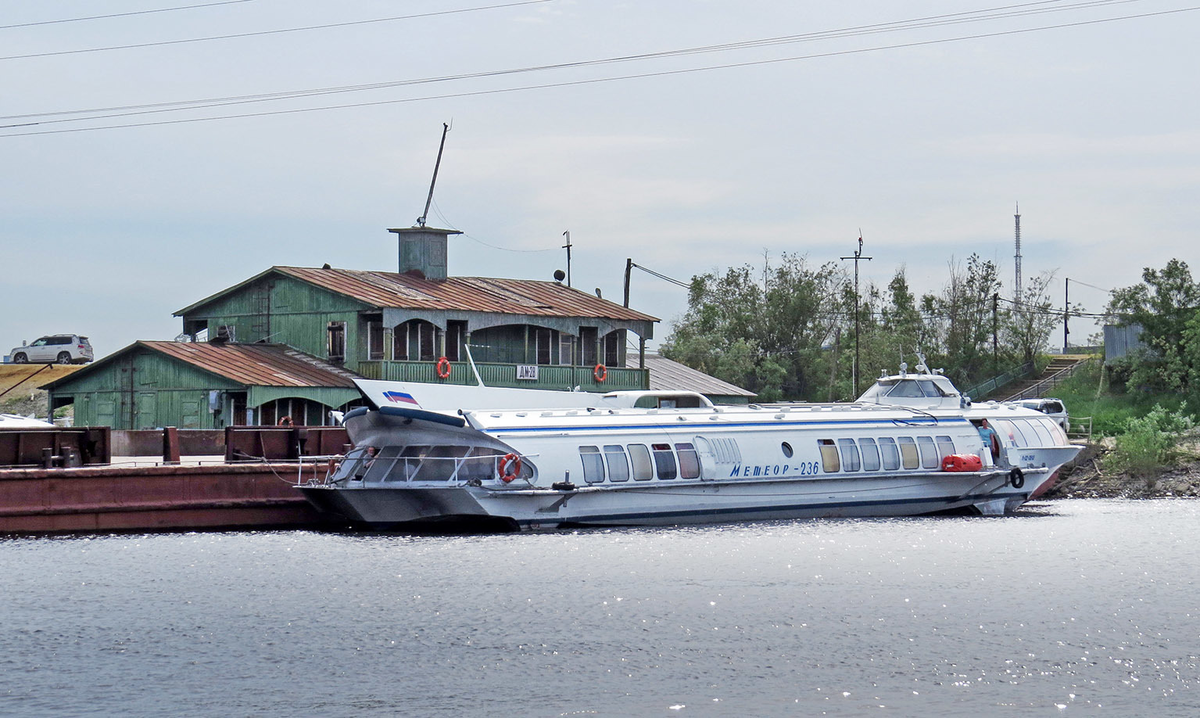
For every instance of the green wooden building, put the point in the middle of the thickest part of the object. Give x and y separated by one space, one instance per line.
400 325
289 341
150 384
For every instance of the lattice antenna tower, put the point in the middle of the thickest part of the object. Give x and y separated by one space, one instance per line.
1017 258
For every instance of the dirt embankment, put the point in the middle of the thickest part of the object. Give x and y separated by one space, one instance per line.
1086 478
19 383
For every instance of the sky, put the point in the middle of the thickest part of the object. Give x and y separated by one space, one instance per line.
919 124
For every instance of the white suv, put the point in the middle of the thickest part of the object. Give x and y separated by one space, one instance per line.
60 348
1054 408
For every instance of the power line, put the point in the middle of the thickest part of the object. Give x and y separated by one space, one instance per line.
569 83
129 110
122 14
663 277
260 33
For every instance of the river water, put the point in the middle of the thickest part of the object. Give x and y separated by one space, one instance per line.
1080 607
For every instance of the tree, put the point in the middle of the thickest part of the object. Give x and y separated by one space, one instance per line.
1028 323
1163 305
767 338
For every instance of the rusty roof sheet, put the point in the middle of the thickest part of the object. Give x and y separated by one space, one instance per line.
256 364
482 294
667 375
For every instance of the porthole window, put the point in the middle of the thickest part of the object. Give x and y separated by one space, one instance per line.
787 449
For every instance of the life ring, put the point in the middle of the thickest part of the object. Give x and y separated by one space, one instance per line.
443 368
600 372
1016 477
510 461
286 421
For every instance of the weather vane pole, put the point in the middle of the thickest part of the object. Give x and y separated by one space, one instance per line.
858 255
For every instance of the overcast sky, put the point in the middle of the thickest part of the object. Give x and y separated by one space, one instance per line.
793 146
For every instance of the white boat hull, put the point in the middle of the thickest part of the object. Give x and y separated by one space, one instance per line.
682 503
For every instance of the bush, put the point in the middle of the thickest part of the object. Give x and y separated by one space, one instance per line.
1149 444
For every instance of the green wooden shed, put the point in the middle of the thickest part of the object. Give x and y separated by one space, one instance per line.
152 384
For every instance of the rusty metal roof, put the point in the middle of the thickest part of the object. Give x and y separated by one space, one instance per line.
256 364
482 294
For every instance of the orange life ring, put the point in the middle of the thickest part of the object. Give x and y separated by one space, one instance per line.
443 368
600 372
510 461
285 421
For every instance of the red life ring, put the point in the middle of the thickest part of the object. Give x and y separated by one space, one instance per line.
510 461
285 421
600 372
443 368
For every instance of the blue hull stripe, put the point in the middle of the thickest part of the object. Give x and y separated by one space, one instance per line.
715 426
772 509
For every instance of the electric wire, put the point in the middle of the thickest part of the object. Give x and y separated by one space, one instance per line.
122 14
127 110
279 31
619 78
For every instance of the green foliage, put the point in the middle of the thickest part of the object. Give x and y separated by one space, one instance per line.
1165 305
1149 443
1094 392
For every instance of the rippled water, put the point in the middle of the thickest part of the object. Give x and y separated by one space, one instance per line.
1068 608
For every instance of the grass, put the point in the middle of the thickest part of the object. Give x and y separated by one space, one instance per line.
1088 393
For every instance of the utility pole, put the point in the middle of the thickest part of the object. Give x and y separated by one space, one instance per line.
1066 312
567 247
858 255
628 269
995 332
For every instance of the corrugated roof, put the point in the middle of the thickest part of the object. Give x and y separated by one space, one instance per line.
482 294
667 375
256 364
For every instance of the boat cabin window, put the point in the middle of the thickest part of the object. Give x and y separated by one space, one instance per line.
930 388
352 466
664 460
639 456
1042 428
945 446
849 452
618 465
593 464
829 456
889 453
870 454
379 467
689 461
929 453
908 452
674 401
907 389
1018 433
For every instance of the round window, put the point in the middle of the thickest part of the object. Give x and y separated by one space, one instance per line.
787 449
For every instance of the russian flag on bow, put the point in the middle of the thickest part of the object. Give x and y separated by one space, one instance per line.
399 397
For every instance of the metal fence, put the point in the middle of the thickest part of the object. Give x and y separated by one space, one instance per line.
1008 377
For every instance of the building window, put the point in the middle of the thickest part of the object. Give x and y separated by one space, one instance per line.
612 348
374 340
427 341
566 349
546 346
400 342
456 336
337 341
587 345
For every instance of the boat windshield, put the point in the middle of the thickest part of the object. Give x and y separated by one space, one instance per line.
421 463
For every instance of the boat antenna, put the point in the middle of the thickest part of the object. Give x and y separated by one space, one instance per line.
429 199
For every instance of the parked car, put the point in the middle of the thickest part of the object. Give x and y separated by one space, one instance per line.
1054 408
58 348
